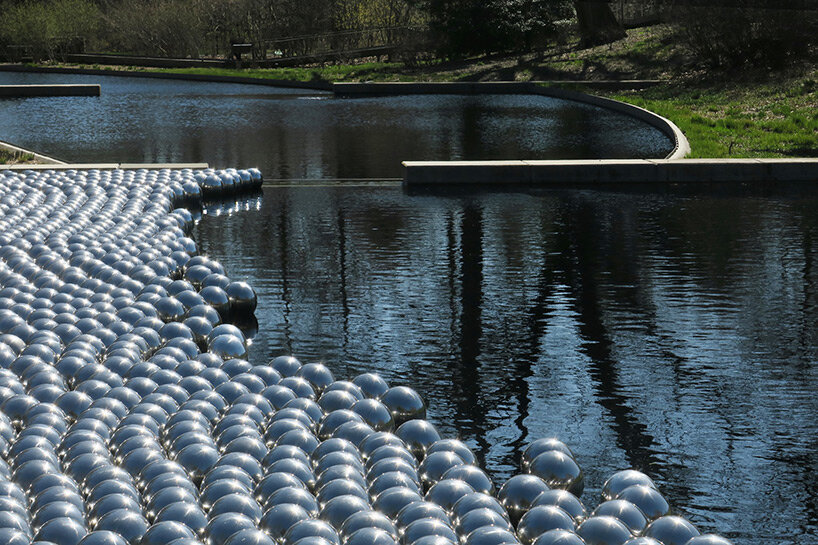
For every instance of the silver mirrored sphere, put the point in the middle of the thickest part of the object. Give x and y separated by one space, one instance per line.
671 530
604 530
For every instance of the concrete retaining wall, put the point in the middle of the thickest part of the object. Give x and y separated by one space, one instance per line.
318 85
618 171
108 166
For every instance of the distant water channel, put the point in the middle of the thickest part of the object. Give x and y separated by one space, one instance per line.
295 134
671 333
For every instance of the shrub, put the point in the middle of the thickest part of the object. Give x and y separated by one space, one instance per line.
49 28
734 36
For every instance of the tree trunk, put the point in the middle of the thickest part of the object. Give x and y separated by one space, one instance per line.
597 23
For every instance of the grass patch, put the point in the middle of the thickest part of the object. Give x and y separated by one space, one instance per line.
15 157
370 71
741 120
339 72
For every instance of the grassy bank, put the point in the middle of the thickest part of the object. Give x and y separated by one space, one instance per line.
740 119
742 114
15 158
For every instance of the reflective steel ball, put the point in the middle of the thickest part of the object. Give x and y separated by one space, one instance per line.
404 403
647 499
604 531
625 511
519 493
539 520
671 530
559 537
558 470
621 480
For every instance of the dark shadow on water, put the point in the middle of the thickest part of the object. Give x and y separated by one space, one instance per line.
726 189
465 249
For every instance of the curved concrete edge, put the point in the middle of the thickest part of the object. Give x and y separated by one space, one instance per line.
318 85
107 166
681 147
42 160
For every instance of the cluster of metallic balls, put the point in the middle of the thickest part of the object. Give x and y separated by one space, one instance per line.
544 506
130 415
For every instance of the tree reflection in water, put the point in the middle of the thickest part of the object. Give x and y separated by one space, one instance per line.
669 332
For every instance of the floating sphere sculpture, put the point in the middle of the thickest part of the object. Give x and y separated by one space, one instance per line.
558 470
371 536
473 476
391 501
434 540
404 403
311 528
102 537
12 536
604 530
643 541
371 384
625 511
647 499
61 530
417 435
242 299
222 527
436 464
280 518
287 366
249 536
420 510
130 414
317 374
559 537
338 509
621 480
491 535
540 446
428 527
375 414
564 499
476 500
539 520
367 519
478 518
447 492
671 530
453 445
518 494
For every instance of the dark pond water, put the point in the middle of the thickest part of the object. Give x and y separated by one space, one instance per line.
667 332
671 333
290 135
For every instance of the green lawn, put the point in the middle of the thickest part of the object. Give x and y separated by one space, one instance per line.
375 71
772 119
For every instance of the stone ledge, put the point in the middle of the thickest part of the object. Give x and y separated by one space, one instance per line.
610 171
109 166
